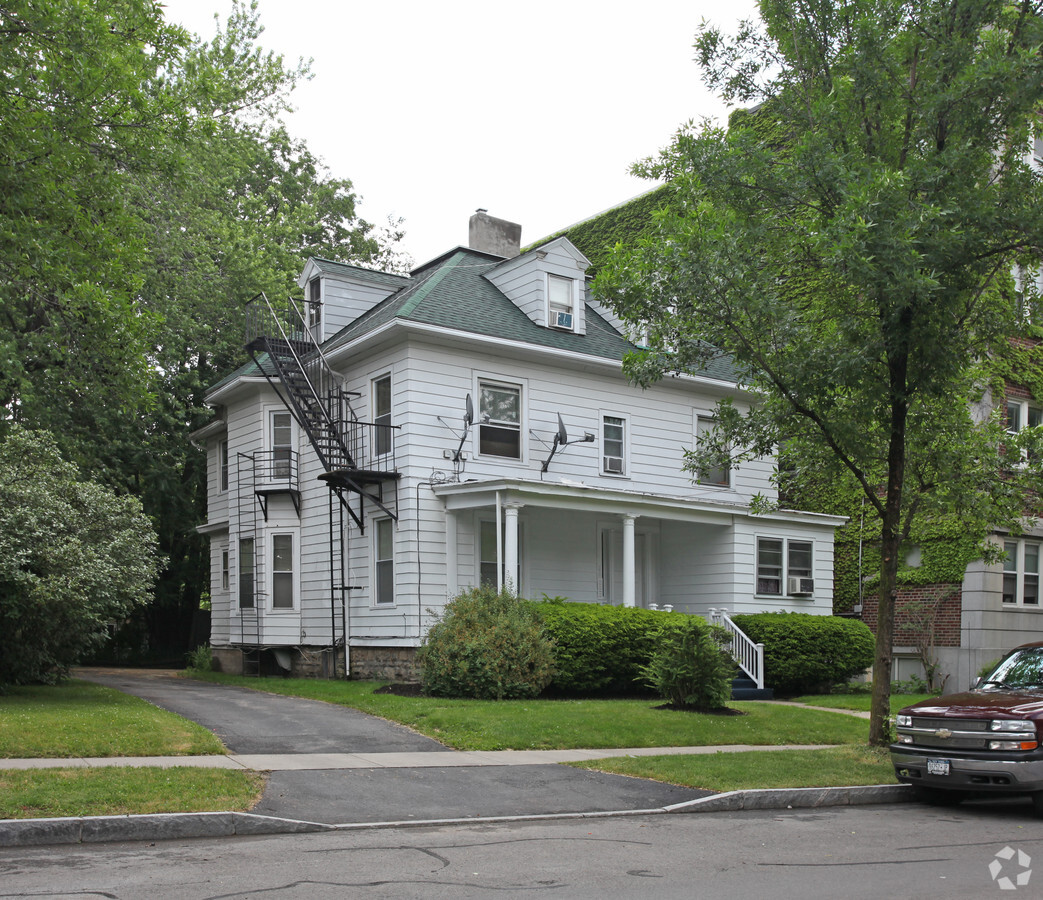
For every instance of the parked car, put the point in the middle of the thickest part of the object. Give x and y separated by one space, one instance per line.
988 740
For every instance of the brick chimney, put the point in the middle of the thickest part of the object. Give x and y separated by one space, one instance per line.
492 235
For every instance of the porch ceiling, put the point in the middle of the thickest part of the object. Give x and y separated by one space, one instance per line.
581 497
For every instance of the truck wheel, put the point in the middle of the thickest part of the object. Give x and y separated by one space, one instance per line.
1037 802
938 796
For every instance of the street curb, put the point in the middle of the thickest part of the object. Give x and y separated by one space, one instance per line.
173 826
154 827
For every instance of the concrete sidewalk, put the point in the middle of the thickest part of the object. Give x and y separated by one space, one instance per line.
332 767
288 762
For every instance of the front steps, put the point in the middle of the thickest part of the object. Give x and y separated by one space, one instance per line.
746 689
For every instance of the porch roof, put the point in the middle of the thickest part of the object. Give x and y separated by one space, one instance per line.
576 495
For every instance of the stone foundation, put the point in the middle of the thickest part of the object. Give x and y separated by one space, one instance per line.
368 663
385 663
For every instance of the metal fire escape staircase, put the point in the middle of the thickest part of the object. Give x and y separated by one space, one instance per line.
357 457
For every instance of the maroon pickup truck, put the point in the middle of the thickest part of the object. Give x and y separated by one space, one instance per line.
987 740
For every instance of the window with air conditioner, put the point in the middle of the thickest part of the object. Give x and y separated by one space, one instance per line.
561 302
613 445
785 567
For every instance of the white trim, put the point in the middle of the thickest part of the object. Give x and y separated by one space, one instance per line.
295 561
375 559
625 417
550 311
786 542
496 380
1019 572
578 496
580 360
709 485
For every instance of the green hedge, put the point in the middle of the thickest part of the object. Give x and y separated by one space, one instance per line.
602 649
803 652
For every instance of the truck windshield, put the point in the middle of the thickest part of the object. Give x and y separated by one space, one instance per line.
1022 669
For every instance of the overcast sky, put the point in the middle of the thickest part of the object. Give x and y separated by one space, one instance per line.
533 111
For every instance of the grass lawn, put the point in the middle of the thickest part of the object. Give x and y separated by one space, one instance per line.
859 701
833 767
566 724
82 719
110 791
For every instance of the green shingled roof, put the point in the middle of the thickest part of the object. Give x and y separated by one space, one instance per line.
452 292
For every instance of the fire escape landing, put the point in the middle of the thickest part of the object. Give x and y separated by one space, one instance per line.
358 458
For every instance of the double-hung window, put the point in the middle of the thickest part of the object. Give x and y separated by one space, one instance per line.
224 570
315 309
282 444
222 463
499 429
384 562
613 445
718 476
784 567
560 303
282 571
382 415
1021 573
246 573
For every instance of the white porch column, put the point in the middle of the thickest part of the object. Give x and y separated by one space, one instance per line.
629 591
452 555
510 546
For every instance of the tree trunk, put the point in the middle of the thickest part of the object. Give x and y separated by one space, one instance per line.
890 541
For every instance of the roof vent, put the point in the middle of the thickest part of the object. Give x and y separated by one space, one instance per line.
491 235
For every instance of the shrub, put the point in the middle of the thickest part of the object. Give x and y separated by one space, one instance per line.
691 669
804 652
601 649
74 555
487 645
200 660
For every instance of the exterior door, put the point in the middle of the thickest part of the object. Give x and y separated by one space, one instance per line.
611 580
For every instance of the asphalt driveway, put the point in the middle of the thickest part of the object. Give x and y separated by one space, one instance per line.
252 722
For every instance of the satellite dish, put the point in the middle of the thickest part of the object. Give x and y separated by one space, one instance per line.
468 412
562 436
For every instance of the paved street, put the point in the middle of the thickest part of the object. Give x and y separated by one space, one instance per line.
872 852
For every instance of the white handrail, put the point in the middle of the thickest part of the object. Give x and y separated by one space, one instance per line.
748 655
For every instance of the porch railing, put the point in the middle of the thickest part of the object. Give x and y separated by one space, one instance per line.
748 655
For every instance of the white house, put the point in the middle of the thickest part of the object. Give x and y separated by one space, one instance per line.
470 422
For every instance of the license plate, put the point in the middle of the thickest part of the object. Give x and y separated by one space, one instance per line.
937 767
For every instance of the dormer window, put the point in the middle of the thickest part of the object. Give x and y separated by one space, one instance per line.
314 311
561 302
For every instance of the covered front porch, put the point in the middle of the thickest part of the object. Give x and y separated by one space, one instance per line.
627 548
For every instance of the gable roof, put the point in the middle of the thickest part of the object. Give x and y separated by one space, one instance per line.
453 292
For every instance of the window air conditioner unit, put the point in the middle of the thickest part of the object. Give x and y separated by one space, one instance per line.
614 465
563 320
800 587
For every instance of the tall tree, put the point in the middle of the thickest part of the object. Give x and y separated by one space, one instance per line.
850 242
148 188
